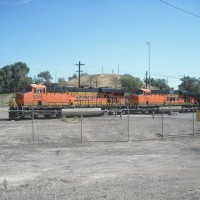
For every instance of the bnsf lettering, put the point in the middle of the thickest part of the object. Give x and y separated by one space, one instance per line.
37 97
85 98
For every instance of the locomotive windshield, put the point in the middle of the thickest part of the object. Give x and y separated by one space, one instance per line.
139 92
26 90
143 91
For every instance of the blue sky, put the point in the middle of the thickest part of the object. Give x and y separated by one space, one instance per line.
55 35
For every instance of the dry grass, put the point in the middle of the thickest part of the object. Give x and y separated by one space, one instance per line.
4 99
99 80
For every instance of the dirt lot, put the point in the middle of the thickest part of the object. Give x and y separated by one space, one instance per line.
112 161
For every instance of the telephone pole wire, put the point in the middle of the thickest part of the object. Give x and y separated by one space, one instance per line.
79 73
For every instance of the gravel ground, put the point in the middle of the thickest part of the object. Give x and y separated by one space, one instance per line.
112 161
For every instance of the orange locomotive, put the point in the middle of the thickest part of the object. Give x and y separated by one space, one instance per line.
51 99
145 98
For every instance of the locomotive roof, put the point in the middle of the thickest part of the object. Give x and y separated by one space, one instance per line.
61 88
189 93
37 86
75 89
109 90
69 89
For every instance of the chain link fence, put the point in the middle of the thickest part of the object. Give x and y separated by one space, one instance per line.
107 128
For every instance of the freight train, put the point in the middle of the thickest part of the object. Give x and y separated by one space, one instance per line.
49 100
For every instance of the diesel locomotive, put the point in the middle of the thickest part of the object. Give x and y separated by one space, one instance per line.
49 100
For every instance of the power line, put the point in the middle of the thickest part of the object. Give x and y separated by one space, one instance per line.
166 76
179 9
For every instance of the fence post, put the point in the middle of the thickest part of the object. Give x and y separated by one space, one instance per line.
81 127
162 123
33 134
128 122
193 122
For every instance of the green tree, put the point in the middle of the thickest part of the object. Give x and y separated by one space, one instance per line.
19 75
1 81
190 84
130 82
72 77
14 76
61 80
45 76
161 84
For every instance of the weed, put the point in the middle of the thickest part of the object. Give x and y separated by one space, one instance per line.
58 152
5 184
18 188
63 119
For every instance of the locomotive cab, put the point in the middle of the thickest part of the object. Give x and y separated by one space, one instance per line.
141 96
32 95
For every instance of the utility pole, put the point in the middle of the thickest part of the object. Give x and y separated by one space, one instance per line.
148 43
118 68
79 73
146 78
90 81
96 82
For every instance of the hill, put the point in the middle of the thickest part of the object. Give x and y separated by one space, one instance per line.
98 80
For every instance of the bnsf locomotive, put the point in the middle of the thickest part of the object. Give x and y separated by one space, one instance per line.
49 100
147 98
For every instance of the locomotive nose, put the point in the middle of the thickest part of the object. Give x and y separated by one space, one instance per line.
19 99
